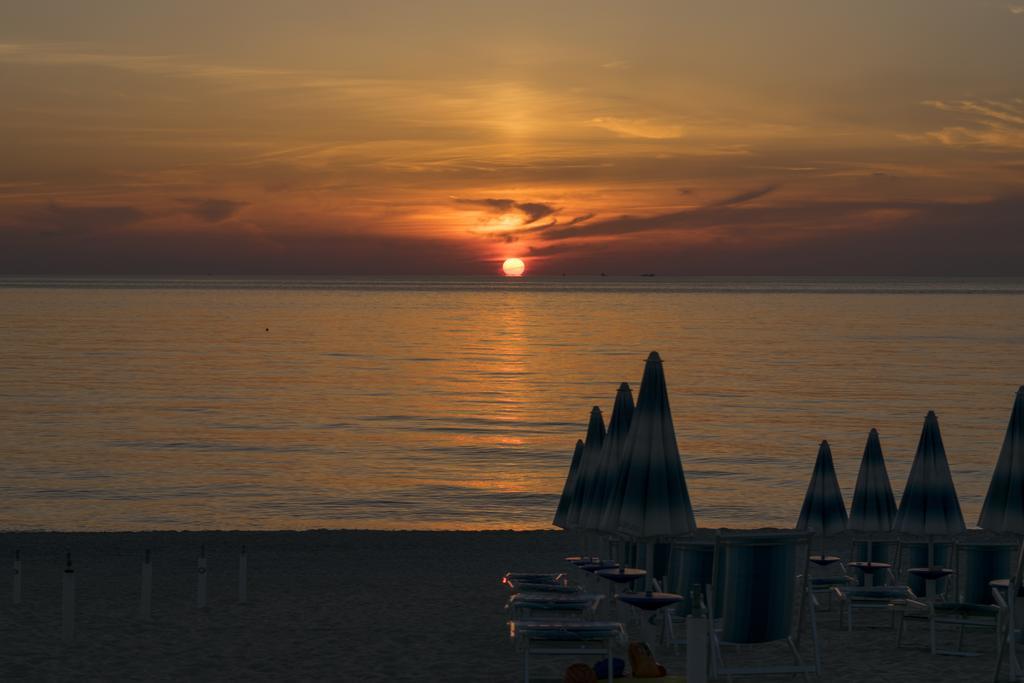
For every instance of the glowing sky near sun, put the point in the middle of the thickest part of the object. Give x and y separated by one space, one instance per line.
444 137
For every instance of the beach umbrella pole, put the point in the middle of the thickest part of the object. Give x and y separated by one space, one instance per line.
649 582
68 602
146 596
243 577
201 578
16 579
929 585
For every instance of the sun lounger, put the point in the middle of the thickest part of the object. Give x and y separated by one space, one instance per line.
554 577
540 637
823 585
890 598
962 614
517 586
974 607
564 604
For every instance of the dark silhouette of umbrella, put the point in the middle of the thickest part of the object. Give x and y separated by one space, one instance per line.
589 463
929 505
1003 509
562 511
823 511
652 498
609 461
874 507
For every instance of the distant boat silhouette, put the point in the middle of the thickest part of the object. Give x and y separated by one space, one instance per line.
604 274
646 274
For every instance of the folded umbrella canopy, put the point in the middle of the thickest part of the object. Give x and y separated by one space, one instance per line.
929 506
874 507
823 511
609 462
1003 509
562 511
652 500
589 463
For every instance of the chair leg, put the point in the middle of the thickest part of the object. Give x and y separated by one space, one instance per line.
716 651
931 634
817 648
796 656
999 654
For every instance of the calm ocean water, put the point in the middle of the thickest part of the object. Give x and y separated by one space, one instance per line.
456 403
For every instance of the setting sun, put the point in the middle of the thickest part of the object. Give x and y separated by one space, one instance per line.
513 267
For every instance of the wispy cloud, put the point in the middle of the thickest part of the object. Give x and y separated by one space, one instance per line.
211 210
638 128
531 211
744 197
986 123
1015 9
59 219
824 238
715 213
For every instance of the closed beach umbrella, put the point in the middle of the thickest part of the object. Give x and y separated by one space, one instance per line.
562 512
874 507
929 505
1003 510
823 511
589 462
654 501
610 460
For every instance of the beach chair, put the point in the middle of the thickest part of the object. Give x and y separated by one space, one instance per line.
1008 635
828 576
758 587
874 586
893 599
567 638
689 565
553 577
973 605
561 605
516 586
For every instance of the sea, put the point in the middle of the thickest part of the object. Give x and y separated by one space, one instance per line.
405 403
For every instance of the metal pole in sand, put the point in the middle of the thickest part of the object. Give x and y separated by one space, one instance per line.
201 578
696 639
243 578
68 602
16 579
146 598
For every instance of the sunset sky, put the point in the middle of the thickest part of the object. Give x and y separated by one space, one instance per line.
334 138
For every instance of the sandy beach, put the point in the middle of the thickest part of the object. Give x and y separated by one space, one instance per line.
335 605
